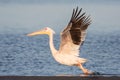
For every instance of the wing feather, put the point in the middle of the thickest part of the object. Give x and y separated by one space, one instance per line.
74 34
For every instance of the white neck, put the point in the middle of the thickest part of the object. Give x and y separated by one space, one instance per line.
52 48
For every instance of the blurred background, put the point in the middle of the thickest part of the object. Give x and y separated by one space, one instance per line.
20 16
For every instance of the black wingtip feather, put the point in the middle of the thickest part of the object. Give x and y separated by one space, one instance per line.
79 22
73 14
78 13
82 16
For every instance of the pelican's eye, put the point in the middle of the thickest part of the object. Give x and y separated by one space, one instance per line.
46 28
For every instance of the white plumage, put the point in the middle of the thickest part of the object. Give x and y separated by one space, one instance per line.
72 37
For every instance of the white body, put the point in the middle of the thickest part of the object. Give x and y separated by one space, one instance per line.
67 59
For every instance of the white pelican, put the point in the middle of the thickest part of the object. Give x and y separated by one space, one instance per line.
72 37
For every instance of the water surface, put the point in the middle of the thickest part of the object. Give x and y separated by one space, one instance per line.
22 55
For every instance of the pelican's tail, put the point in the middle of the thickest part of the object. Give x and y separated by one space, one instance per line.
82 60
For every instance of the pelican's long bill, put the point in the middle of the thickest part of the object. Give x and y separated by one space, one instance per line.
37 33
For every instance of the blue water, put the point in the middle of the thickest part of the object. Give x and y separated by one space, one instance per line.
22 55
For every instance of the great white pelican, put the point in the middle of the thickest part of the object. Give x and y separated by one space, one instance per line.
72 37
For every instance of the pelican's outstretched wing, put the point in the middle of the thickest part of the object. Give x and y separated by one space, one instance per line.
74 34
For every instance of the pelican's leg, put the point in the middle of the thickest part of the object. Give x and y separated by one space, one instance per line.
86 71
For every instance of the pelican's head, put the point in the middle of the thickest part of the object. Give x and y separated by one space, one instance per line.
45 30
